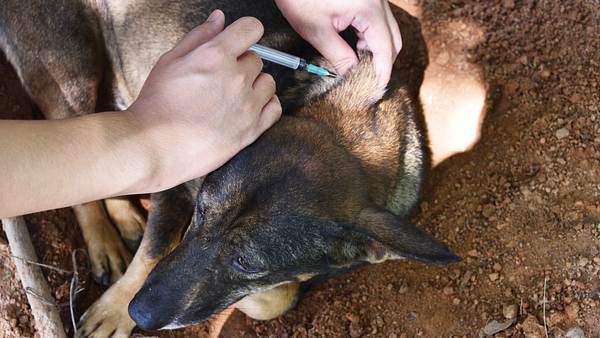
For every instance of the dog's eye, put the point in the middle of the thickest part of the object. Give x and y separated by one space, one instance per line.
242 264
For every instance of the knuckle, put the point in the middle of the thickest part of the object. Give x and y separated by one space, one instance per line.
258 63
268 81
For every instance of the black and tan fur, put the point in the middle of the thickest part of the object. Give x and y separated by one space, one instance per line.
328 188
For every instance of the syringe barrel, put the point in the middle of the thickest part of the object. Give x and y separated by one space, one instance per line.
276 56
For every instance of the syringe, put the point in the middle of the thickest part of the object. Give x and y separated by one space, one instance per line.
289 60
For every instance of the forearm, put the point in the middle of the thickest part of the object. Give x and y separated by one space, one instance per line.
52 164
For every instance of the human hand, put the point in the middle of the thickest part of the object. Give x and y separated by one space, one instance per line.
319 22
204 101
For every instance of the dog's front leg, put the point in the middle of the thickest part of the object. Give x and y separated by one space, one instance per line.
170 213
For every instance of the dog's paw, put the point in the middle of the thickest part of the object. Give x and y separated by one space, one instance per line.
128 219
108 316
109 257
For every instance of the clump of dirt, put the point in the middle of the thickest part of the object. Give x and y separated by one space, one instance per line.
522 208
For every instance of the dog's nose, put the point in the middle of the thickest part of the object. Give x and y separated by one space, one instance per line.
147 314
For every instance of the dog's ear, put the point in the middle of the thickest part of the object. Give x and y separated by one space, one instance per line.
379 235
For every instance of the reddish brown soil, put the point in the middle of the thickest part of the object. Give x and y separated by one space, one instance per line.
521 207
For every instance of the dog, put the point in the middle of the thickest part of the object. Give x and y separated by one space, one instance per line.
330 187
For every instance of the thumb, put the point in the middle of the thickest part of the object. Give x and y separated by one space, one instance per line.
201 34
331 45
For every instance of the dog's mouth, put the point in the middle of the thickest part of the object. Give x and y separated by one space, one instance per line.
177 311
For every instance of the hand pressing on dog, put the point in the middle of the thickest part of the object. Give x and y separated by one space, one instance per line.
319 22
204 101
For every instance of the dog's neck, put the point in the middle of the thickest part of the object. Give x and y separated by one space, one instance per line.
360 118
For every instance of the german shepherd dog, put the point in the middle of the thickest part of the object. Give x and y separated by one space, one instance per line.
328 188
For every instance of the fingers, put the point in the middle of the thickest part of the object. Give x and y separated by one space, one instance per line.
251 66
240 35
333 47
394 29
268 102
264 89
378 39
270 114
200 35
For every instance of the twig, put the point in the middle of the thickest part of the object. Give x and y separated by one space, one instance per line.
51 267
544 307
46 316
73 290
32 292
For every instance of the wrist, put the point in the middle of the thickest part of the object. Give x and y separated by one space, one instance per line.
146 152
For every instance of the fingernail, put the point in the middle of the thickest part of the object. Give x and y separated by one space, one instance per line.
213 16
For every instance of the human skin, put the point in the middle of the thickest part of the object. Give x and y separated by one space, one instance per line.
319 22
169 135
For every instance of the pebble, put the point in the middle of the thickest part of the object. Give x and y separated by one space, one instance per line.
497 267
509 4
562 133
575 332
532 328
473 253
443 58
494 276
23 319
448 290
583 261
572 310
510 311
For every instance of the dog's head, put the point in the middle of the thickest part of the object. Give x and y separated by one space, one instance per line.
293 205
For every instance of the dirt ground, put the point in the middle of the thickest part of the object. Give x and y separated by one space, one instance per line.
522 207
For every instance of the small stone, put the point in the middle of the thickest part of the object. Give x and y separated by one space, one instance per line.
597 260
562 133
353 318
23 319
575 332
448 290
511 87
583 261
545 74
532 328
497 267
494 327
389 287
555 318
473 253
355 331
510 311
572 310
575 98
443 58
494 276
456 301
509 4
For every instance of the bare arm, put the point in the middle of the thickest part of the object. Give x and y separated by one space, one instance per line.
205 100
49 164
